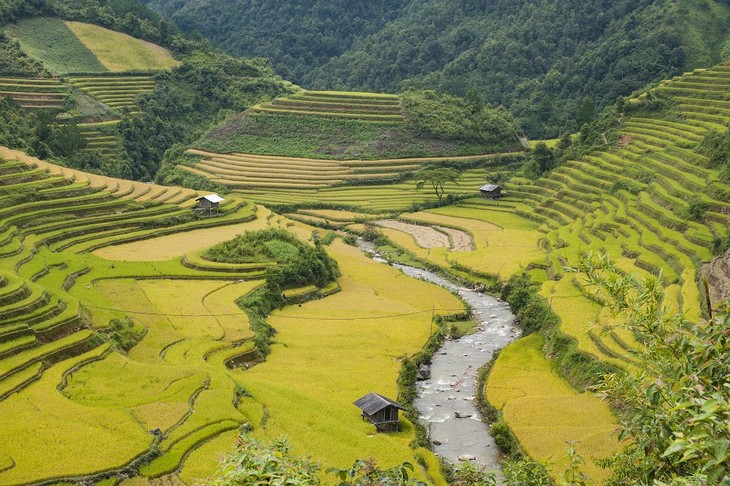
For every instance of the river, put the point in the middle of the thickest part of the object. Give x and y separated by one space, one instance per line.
450 391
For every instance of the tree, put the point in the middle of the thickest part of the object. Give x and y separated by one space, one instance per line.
437 178
676 402
544 157
587 112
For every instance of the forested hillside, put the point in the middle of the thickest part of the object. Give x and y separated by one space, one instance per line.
119 126
553 64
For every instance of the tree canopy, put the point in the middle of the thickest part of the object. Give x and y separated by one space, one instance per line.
436 178
553 64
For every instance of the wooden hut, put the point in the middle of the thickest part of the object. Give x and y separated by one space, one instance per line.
209 204
490 191
380 411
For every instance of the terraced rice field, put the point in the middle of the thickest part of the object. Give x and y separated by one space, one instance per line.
118 92
66 388
373 107
34 92
544 226
543 411
249 171
101 137
644 232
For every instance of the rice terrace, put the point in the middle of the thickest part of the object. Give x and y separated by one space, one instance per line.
204 266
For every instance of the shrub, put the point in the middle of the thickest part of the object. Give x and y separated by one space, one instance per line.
257 462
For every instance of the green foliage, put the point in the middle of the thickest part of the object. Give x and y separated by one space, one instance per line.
542 160
716 147
720 244
623 185
38 134
573 476
471 474
186 101
323 29
437 125
696 209
437 178
123 334
14 62
367 473
547 62
446 117
297 265
676 405
525 472
531 310
256 462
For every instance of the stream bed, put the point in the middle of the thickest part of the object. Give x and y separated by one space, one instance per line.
446 401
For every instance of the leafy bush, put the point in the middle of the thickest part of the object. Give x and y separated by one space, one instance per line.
696 209
297 265
123 334
256 462
676 406
367 473
621 185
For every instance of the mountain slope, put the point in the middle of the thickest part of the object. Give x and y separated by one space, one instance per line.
551 63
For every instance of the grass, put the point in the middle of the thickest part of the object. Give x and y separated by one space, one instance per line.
51 41
119 52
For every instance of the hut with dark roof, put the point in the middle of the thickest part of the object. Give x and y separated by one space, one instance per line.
490 191
380 411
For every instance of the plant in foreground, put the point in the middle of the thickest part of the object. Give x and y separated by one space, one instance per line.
676 401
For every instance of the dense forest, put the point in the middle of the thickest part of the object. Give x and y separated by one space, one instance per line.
553 64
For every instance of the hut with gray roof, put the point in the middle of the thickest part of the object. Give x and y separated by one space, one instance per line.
490 191
380 411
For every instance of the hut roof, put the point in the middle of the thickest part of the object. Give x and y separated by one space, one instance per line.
214 198
373 403
489 187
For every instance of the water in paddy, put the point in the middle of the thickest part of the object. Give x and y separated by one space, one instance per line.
446 402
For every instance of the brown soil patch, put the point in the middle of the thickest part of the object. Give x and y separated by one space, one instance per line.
425 236
460 240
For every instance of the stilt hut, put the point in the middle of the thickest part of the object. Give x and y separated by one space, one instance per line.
380 411
490 191
209 204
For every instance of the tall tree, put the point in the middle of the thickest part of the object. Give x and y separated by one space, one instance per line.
437 178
